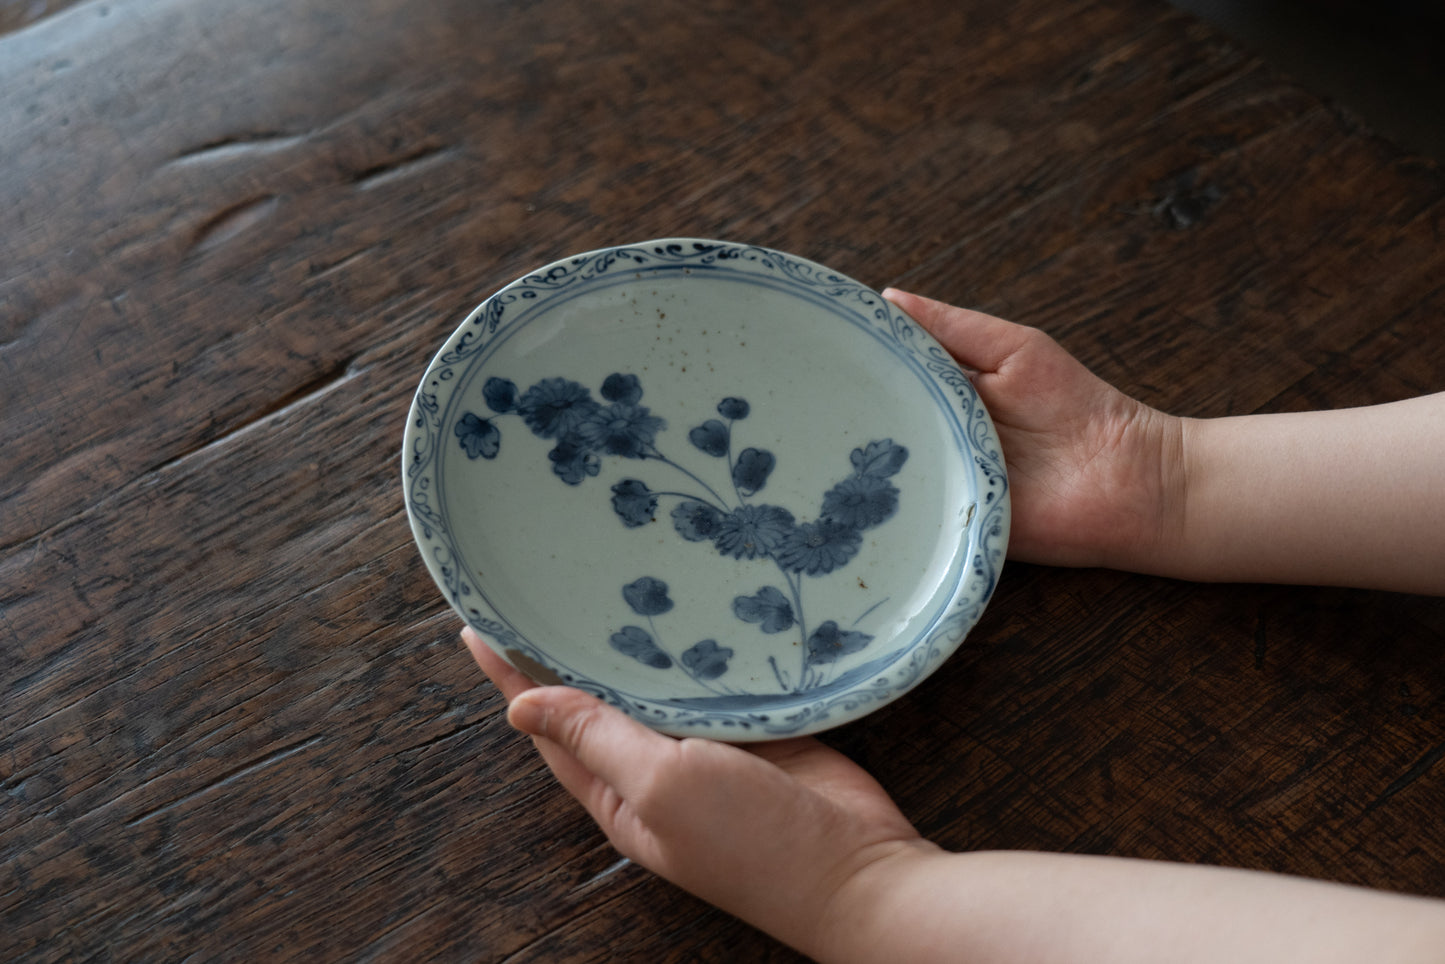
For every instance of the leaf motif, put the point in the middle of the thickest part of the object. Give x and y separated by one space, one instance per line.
501 394
647 596
478 436
706 659
768 606
636 642
573 460
696 521
711 437
828 643
733 408
618 387
751 472
634 503
879 460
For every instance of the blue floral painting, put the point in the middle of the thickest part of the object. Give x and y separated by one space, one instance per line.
696 662
585 430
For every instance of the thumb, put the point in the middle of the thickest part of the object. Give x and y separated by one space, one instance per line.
979 341
597 752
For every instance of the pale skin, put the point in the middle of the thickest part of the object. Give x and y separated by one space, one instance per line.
803 844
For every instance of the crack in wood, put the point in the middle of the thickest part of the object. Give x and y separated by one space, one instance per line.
567 923
323 384
380 944
405 166
205 631
316 272
1421 767
318 387
237 146
621 863
231 776
443 737
231 222
546 786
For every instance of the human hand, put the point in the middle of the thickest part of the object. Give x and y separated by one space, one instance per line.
1095 476
780 835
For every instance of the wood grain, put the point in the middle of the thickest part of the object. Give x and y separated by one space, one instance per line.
236 722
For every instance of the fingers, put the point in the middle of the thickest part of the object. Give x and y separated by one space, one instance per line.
508 679
594 739
977 340
591 747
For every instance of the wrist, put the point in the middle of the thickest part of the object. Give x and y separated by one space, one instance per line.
862 909
1178 449
1151 530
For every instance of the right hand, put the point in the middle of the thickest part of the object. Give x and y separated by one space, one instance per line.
791 835
1096 477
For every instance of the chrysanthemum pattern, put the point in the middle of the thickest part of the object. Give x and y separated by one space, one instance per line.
585 431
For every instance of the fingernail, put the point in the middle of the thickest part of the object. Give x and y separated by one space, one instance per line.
527 716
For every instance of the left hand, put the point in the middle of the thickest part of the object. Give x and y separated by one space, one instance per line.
1096 477
775 834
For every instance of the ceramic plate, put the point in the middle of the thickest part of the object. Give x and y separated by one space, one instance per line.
726 489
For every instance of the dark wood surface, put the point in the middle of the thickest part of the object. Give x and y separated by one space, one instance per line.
236 722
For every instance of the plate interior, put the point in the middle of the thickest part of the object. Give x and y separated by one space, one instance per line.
735 499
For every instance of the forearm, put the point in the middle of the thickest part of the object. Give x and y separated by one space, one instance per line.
996 908
1354 497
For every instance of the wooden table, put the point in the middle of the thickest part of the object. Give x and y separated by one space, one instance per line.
236 721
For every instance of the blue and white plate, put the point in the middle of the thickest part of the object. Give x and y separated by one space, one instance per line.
726 489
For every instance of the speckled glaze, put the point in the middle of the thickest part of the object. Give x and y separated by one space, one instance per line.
728 490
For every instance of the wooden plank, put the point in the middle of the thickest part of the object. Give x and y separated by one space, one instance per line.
281 206
236 720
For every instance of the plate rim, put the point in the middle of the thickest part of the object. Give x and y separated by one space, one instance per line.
986 537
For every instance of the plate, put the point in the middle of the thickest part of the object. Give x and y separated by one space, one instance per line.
724 488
